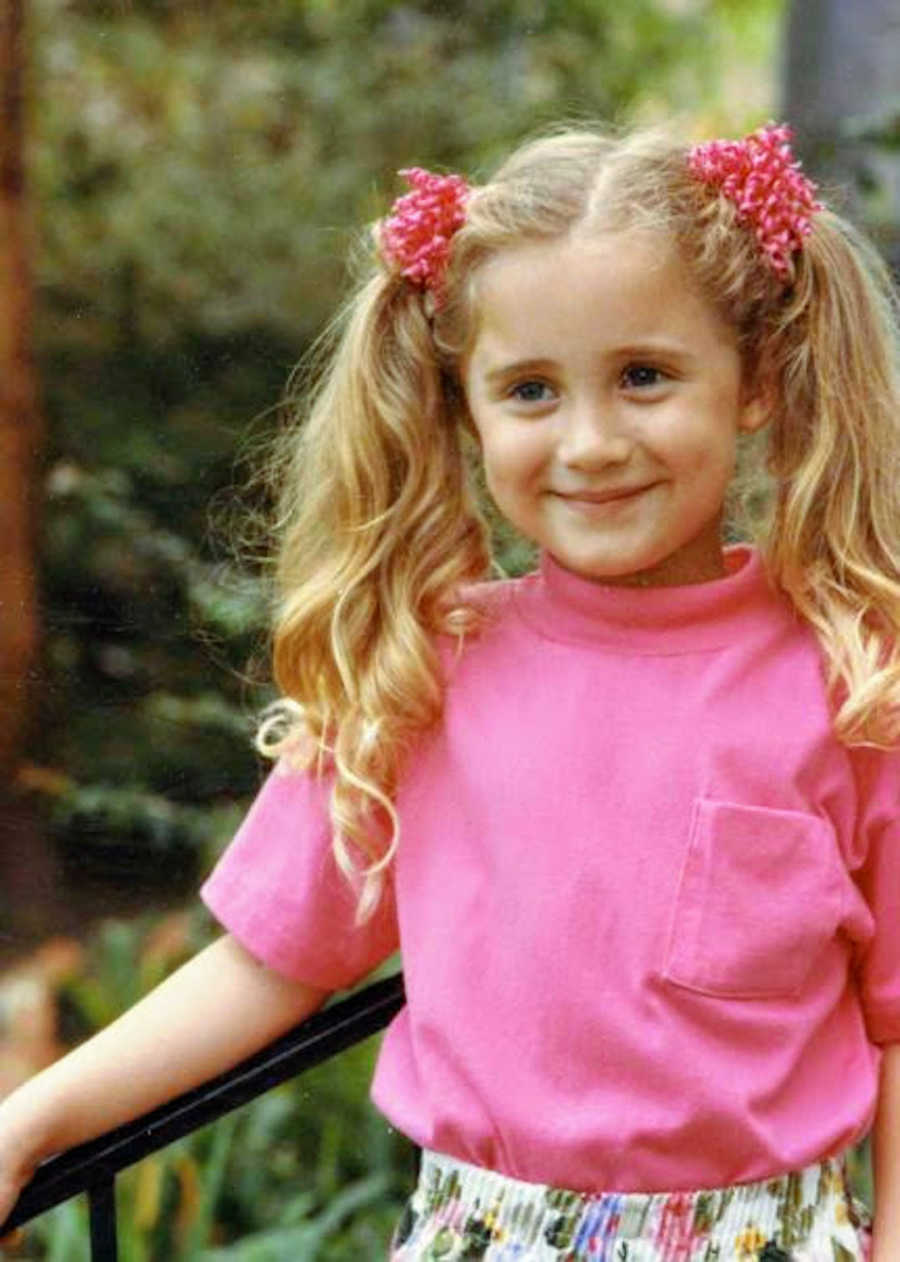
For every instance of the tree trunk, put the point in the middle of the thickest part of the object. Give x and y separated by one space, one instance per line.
19 424
842 66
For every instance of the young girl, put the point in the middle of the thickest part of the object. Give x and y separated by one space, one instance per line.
635 818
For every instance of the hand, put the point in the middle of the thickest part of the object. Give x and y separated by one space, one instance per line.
13 1179
17 1165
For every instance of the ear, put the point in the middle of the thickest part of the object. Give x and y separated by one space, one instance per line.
757 405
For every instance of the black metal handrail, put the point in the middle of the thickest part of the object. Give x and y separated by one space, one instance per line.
92 1167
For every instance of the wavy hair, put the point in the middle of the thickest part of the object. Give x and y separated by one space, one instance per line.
378 534
379 531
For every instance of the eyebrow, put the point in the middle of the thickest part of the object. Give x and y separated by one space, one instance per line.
514 367
665 350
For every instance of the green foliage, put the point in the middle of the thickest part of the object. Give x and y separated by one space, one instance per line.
205 170
309 1170
236 1191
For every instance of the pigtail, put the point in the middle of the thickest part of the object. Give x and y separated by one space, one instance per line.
833 541
377 531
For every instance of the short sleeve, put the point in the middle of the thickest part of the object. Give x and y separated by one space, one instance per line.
277 889
878 879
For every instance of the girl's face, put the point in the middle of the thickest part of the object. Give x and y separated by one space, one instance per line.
608 398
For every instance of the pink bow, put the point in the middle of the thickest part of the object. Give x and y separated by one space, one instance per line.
772 195
415 236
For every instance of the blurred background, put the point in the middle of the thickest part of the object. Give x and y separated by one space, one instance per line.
180 184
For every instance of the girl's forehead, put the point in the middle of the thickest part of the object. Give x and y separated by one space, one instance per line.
638 248
615 274
629 283
610 266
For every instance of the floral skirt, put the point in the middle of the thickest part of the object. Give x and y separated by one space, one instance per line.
459 1211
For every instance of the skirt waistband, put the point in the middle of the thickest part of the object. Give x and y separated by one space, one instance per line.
463 1211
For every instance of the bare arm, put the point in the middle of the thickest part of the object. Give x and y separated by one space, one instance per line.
886 1160
215 1010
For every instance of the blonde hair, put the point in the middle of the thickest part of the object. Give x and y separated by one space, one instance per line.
380 533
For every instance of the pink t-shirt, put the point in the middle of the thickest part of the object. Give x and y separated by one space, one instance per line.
649 908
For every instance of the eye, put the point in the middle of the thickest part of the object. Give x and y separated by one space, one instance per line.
531 392
642 377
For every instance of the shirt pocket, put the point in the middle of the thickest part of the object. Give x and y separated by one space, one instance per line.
758 900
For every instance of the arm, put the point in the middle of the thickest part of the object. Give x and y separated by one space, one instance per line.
218 1008
886 1159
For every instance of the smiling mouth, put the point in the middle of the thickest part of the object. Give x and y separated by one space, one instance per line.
600 498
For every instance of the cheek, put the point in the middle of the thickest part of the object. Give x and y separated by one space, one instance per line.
510 465
496 472
707 449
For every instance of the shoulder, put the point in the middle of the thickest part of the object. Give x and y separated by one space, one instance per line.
488 611
492 604
495 597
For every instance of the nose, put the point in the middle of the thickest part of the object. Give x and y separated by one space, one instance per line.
592 435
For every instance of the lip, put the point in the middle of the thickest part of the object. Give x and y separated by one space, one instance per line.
611 496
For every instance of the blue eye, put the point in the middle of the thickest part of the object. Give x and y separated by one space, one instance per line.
641 377
530 392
